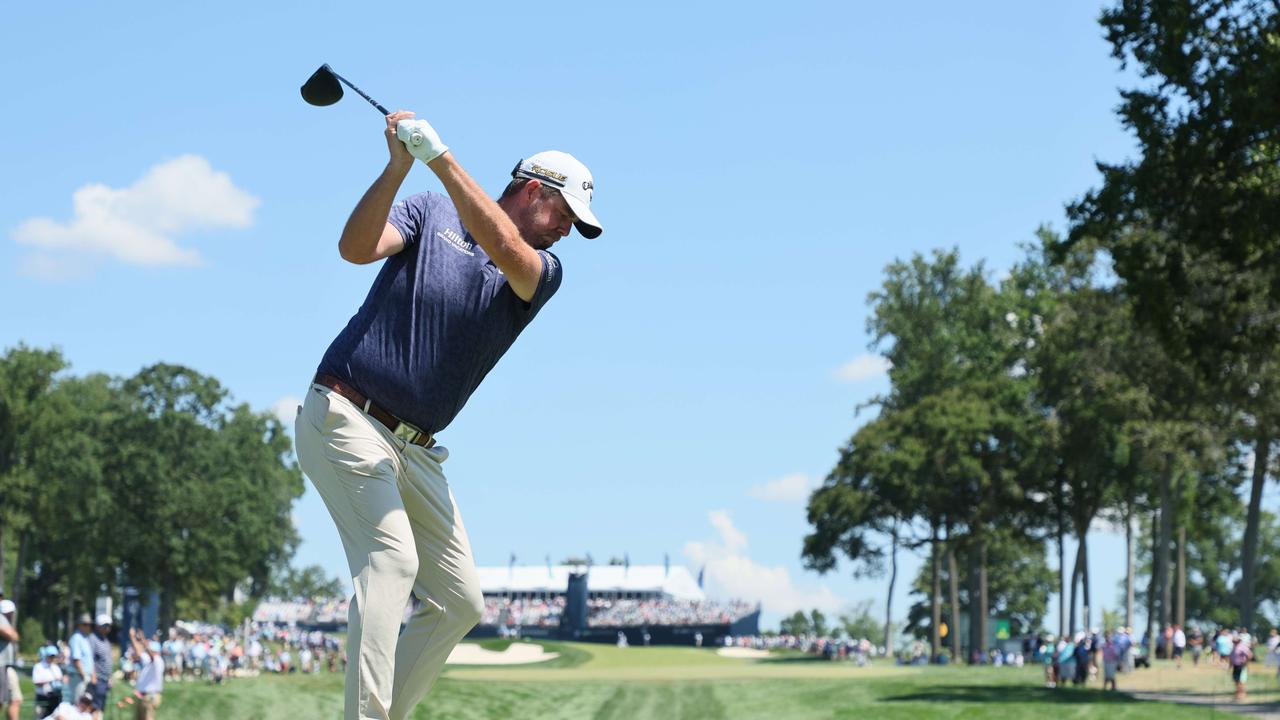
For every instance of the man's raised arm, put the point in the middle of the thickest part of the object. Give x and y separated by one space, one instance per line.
480 214
367 236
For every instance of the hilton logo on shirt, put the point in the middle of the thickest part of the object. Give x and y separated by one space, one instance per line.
456 241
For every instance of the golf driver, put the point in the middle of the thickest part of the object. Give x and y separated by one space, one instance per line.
323 88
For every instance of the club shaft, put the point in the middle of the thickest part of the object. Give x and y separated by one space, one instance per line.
362 94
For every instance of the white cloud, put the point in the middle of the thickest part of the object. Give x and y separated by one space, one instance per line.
863 367
286 408
139 224
730 537
787 489
730 573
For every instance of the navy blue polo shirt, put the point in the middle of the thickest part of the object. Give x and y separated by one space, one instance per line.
438 317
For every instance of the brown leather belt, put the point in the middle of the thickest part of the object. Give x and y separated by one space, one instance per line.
398 427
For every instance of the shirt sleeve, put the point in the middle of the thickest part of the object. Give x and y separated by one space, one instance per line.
549 283
410 215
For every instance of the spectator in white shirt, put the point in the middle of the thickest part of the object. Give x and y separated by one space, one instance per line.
150 677
82 710
46 675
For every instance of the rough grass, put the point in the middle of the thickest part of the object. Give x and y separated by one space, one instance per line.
604 682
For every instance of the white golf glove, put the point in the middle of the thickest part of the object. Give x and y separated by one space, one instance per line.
422 140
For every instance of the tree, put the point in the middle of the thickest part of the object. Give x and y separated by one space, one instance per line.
953 445
796 624
858 622
26 376
1214 517
869 495
1082 349
72 548
817 622
157 481
206 488
308 582
1019 580
1193 225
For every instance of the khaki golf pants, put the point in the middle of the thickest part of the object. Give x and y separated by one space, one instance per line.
402 534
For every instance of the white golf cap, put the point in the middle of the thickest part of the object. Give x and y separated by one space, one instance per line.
7 606
104 619
563 172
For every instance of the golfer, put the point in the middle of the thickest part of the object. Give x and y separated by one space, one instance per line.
461 278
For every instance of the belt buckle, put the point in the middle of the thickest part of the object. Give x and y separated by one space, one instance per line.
408 433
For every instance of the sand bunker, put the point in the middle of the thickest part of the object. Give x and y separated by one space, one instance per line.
515 654
743 653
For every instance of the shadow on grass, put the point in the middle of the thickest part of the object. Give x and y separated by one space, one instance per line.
798 658
1010 694
1265 695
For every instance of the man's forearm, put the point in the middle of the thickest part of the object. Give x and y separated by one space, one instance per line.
489 225
364 227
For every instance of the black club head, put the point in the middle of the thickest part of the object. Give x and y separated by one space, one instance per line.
322 88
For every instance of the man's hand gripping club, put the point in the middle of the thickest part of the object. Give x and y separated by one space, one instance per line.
488 224
420 139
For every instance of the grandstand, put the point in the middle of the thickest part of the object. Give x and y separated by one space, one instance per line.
592 604
596 603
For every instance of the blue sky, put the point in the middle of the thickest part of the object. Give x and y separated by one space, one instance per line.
755 170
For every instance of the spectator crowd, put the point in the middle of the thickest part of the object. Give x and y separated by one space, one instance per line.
73 677
842 647
663 612
76 678
508 614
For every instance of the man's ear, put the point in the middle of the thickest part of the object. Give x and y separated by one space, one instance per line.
532 189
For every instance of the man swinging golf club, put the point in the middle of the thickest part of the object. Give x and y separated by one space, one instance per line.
462 276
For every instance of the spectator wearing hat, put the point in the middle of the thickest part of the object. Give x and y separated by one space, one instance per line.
10 691
1238 658
150 675
80 668
81 710
1049 658
101 645
1195 641
48 679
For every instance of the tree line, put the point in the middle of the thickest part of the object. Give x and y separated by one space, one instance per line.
160 480
1126 372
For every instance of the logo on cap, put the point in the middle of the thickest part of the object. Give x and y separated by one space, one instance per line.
548 172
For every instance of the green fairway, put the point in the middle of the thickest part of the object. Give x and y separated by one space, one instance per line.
601 681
